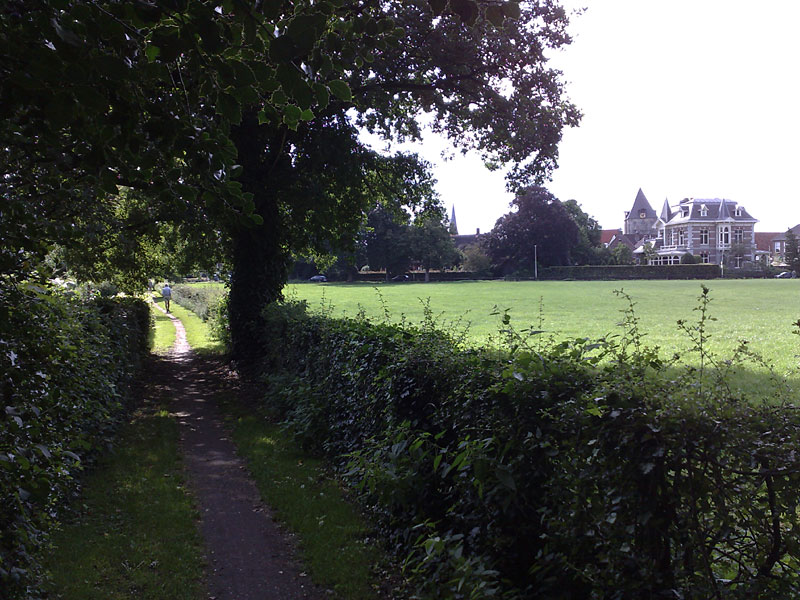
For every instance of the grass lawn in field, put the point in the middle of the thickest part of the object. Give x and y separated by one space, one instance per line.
759 311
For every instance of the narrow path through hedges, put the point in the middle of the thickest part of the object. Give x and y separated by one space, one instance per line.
249 557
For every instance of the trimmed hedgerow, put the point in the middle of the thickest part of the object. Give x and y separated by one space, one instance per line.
570 470
64 370
202 300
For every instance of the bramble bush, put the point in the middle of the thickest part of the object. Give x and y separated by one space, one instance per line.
580 469
65 367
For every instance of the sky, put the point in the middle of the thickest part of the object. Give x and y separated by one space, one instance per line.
687 98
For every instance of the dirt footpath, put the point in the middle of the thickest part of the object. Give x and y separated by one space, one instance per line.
249 557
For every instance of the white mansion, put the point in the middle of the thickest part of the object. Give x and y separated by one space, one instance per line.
716 230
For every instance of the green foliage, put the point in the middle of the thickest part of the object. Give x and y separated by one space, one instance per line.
202 300
556 469
687 258
65 370
541 229
476 260
622 255
143 138
589 250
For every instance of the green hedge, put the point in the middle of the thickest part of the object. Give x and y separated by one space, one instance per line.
595 272
65 367
575 470
201 299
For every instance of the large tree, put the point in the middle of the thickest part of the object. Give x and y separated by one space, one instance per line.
433 247
589 250
235 121
540 229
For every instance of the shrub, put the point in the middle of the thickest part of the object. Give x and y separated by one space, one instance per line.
65 368
570 470
202 300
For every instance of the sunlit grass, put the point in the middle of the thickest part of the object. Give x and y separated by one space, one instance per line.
198 333
760 311
162 334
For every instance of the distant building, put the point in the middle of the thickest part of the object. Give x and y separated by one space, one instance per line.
778 245
715 230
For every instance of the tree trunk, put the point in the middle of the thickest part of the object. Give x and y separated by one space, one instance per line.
260 258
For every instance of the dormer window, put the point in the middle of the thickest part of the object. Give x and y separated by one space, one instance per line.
642 214
684 211
738 211
704 211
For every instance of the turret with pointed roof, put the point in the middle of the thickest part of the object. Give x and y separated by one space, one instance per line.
641 219
724 212
666 211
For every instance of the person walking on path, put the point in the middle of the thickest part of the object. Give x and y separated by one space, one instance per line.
166 292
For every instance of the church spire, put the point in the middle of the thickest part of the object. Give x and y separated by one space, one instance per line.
453 225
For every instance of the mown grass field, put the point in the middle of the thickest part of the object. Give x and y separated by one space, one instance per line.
760 311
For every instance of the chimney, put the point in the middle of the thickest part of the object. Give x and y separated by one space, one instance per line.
478 231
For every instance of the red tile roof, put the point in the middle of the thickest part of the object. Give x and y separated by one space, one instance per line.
607 234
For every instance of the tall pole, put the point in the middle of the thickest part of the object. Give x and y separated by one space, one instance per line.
535 264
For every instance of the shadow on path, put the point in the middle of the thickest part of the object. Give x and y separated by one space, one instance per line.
249 557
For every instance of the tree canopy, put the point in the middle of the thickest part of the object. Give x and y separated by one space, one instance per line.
234 124
540 229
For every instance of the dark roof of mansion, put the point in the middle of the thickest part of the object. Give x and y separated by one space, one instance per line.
716 210
628 239
641 204
782 235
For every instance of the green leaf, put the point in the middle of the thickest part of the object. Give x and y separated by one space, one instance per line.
322 95
278 98
505 477
291 115
307 115
228 106
341 90
152 52
244 74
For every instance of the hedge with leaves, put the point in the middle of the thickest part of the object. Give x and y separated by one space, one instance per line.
569 470
202 300
65 367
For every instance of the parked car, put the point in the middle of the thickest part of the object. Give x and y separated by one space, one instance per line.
784 275
318 278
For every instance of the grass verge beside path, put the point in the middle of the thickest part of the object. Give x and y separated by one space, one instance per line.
134 536
333 535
